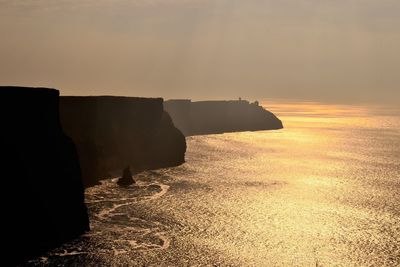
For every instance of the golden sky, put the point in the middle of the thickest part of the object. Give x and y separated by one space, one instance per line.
318 50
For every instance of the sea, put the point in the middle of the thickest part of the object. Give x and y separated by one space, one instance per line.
323 191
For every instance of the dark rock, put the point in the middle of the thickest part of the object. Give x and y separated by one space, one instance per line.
113 132
126 178
212 117
41 179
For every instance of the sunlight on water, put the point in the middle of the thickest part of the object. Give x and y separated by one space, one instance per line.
324 191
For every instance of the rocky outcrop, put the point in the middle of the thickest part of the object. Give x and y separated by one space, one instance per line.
40 174
126 179
212 117
114 132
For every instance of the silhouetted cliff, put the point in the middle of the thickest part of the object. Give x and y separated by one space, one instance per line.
210 117
40 174
114 132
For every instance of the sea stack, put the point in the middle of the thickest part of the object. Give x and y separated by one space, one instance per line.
126 179
41 175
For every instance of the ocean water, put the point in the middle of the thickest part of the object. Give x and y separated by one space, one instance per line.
323 191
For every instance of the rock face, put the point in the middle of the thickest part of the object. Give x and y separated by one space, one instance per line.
114 132
40 172
212 117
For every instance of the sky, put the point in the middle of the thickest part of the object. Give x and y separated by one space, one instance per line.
316 50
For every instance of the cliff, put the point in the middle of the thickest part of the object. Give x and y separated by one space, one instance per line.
43 196
114 132
212 117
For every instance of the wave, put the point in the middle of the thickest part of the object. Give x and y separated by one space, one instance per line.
115 228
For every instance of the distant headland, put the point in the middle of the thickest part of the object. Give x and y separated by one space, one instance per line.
213 117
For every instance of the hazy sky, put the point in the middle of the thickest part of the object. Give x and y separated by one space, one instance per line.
338 50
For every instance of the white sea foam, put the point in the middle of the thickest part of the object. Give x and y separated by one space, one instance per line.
114 228
69 253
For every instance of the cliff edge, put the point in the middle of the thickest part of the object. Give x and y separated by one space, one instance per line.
212 117
45 198
114 132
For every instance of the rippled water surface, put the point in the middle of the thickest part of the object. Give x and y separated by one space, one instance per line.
324 191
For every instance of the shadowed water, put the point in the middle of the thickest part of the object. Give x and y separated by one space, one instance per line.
324 191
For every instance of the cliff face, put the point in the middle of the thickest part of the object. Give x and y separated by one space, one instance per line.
113 132
211 117
41 172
